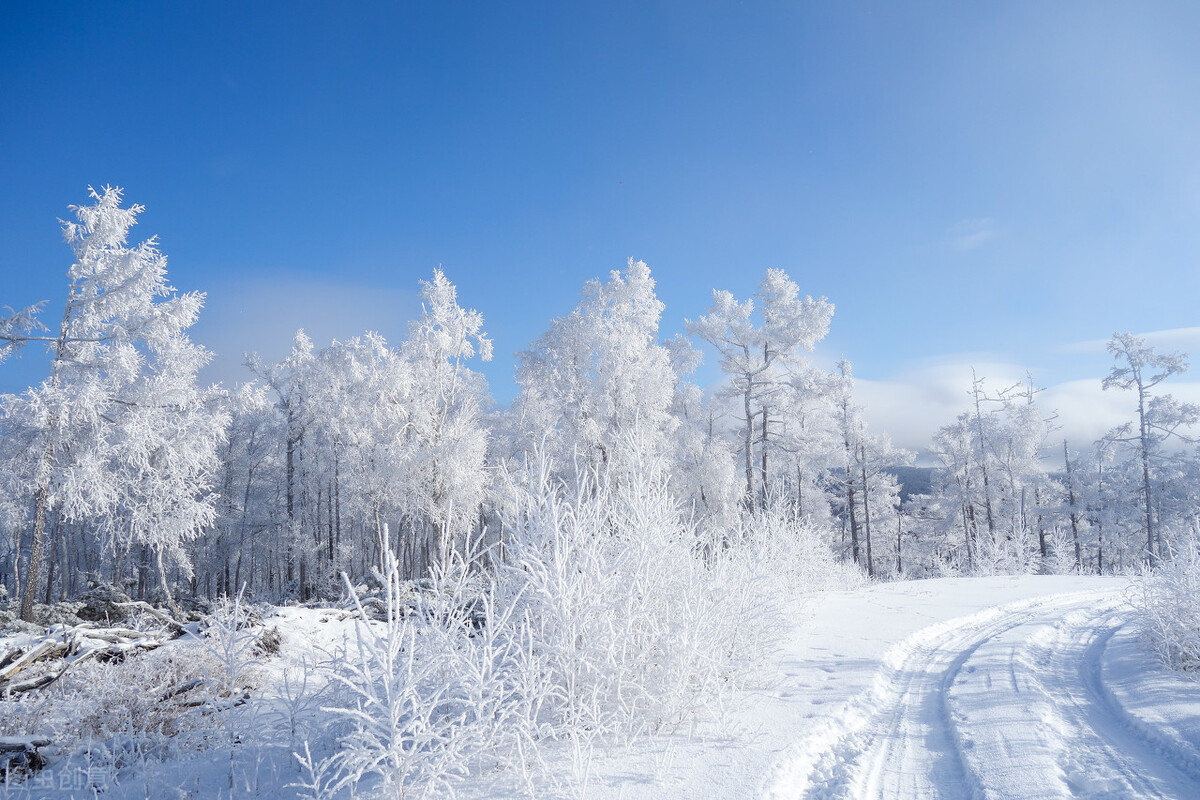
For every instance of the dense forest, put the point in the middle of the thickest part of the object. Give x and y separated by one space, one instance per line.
120 467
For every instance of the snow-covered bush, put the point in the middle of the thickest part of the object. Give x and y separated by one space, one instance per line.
421 692
603 614
630 620
621 618
782 556
1168 601
230 649
1061 558
1008 552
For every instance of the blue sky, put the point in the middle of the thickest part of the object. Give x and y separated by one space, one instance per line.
997 184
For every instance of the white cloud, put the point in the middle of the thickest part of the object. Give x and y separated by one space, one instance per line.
910 407
263 314
1186 340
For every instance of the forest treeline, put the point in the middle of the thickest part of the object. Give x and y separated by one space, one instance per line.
121 467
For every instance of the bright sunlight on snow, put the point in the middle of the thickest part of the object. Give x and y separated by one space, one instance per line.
609 401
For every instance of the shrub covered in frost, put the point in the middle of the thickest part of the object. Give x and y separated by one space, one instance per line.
1168 601
604 614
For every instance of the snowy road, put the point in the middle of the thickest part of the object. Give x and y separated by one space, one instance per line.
1010 702
961 689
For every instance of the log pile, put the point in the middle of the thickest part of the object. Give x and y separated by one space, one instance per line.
29 663
75 644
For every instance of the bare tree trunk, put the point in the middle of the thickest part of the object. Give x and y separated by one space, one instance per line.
850 503
799 493
143 572
749 445
88 566
1100 519
52 562
1041 530
41 499
972 536
293 440
966 523
162 576
866 510
337 499
329 521
849 476
1071 503
16 561
65 588
763 499
987 492
1144 440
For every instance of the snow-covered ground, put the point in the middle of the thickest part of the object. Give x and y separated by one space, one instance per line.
1006 687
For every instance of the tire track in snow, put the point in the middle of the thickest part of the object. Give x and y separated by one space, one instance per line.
1005 706
1111 754
1166 742
899 738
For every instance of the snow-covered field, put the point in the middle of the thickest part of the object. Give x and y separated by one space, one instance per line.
1005 687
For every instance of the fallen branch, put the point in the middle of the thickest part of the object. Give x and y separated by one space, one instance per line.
19 757
9 657
142 605
219 704
181 688
18 744
39 682
47 648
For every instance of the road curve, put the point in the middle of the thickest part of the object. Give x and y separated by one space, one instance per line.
1007 703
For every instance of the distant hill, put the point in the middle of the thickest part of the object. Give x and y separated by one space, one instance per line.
913 480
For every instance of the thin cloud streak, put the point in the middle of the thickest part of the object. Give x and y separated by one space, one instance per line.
910 408
971 234
1186 340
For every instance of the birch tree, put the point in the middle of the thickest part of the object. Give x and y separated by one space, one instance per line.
757 354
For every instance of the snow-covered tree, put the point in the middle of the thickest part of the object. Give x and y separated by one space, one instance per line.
598 377
991 482
118 429
290 380
759 355
447 472
809 444
361 417
704 478
869 492
165 457
373 434
250 460
19 328
1074 509
1029 499
1159 418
